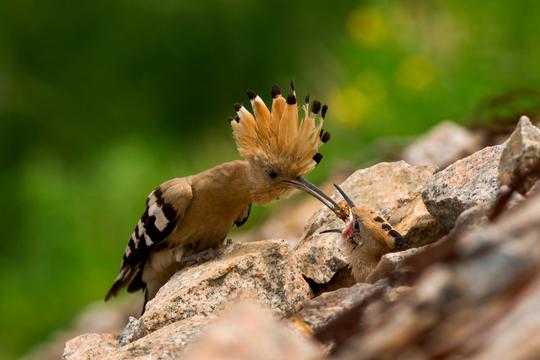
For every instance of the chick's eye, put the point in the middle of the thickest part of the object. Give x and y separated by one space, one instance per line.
271 173
356 227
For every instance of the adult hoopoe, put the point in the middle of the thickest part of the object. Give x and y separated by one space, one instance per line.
366 236
189 214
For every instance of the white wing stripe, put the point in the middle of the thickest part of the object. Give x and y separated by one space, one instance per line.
148 241
161 220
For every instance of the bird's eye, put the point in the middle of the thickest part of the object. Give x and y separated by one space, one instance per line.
271 173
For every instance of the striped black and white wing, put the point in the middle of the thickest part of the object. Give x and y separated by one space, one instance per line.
165 206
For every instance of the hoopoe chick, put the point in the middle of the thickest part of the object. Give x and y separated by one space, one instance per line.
365 238
186 215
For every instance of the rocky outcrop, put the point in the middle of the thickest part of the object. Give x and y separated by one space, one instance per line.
482 304
471 181
469 287
477 179
266 270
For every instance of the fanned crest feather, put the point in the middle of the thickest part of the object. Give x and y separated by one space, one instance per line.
280 136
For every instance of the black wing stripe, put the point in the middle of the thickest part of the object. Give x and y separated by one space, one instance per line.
147 233
242 220
157 222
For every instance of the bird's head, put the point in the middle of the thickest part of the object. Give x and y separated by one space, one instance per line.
346 210
280 146
361 221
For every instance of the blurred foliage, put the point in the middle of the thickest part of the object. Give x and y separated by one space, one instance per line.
100 101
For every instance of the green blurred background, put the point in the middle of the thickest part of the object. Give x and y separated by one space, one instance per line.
100 101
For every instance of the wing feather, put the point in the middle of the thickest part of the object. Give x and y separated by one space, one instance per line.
165 206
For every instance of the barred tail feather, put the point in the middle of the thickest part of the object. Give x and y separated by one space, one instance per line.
121 281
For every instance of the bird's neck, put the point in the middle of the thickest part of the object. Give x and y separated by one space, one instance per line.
232 180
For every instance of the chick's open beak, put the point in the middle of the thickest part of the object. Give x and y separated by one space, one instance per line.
342 214
339 231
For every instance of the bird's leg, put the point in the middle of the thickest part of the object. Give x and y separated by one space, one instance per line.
178 253
200 257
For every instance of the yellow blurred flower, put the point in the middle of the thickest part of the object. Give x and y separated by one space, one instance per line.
373 84
416 73
350 106
366 26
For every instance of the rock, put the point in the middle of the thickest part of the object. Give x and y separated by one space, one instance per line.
521 155
267 268
90 346
98 317
441 146
534 190
462 185
392 265
352 305
477 179
384 187
247 331
492 277
167 342
416 224
520 326
319 311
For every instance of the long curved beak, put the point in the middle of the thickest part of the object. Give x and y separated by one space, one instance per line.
304 185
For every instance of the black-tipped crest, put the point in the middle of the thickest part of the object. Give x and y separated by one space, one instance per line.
231 119
317 157
251 94
276 91
324 110
345 196
280 133
292 85
306 99
291 99
237 106
325 137
316 107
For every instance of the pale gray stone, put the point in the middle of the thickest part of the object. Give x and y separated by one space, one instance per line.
441 146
